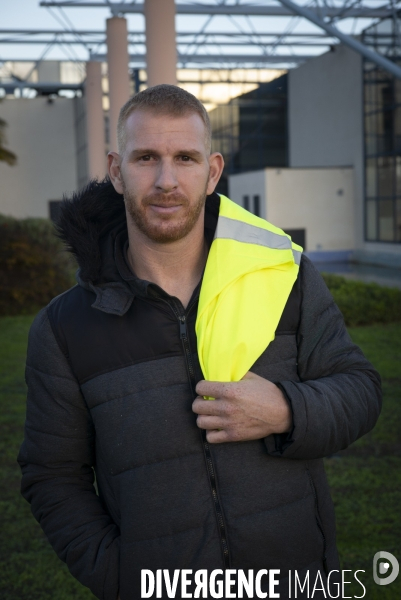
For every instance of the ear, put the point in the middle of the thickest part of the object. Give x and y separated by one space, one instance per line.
216 164
114 171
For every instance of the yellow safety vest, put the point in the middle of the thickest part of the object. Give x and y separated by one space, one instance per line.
250 271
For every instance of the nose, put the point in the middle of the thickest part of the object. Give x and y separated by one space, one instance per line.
166 179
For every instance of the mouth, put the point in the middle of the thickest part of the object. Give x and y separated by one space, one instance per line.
165 210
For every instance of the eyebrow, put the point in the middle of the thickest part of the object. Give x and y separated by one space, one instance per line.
141 152
144 151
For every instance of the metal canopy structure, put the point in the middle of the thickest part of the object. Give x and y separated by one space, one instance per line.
228 33
212 59
220 38
250 9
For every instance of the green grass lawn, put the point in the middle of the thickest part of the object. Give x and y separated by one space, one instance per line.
365 481
29 568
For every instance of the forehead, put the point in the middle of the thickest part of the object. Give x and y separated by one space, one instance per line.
151 128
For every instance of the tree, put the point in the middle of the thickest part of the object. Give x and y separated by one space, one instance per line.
5 155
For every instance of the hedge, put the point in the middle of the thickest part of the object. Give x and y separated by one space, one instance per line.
364 303
34 268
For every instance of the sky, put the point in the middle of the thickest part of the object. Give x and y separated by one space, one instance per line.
27 14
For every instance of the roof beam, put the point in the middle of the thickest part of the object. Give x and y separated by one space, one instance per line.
75 42
222 58
228 9
215 67
349 41
77 86
41 87
228 34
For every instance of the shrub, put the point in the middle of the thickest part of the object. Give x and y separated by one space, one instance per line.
34 267
364 303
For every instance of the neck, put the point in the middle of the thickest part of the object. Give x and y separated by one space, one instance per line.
176 267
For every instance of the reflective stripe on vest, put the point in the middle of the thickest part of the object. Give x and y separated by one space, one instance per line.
251 268
243 232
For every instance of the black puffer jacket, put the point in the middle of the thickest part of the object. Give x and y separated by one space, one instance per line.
110 372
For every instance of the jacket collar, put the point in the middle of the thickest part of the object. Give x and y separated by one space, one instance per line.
93 227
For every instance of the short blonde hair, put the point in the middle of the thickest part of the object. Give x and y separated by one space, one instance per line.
163 99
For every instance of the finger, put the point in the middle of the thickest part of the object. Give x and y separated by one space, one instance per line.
215 389
217 436
208 422
206 407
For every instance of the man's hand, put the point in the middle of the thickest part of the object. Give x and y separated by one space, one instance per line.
249 409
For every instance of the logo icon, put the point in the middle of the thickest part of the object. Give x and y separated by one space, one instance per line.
381 566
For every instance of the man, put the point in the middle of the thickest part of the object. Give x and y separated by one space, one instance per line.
116 386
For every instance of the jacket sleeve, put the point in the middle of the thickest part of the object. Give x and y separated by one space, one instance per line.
338 398
57 459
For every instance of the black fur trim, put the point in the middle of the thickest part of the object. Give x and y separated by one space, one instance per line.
85 218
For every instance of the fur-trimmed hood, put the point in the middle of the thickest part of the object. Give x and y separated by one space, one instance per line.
89 223
86 220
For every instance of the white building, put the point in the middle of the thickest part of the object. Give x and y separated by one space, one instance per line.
328 97
315 206
336 189
48 138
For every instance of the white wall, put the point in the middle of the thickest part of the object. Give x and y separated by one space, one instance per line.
42 135
325 114
317 200
248 184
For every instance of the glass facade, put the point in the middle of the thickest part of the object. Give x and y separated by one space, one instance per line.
251 130
382 113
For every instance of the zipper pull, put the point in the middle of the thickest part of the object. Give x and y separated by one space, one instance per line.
183 328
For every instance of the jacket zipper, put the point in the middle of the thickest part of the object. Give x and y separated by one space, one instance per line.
319 524
219 514
206 448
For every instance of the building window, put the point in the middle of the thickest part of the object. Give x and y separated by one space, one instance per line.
251 130
382 113
298 236
256 205
54 210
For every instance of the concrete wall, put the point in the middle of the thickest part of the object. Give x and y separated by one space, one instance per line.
325 112
318 200
42 135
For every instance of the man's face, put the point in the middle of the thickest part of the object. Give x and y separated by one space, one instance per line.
164 173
